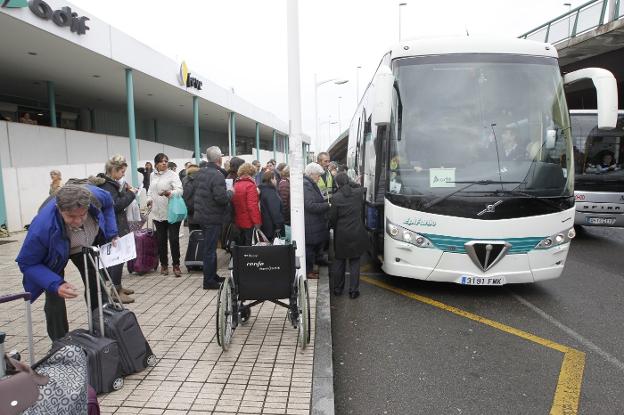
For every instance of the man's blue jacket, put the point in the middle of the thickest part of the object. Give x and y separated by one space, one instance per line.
45 252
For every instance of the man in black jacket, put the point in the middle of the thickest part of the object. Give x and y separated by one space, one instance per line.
211 202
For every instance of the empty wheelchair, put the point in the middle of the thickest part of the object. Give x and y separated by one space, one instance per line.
258 274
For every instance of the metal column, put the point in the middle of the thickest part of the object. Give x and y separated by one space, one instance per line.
274 140
233 132
3 212
52 104
132 128
286 146
258 142
196 128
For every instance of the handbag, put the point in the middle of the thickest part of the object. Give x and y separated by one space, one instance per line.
176 211
20 389
258 238
66 391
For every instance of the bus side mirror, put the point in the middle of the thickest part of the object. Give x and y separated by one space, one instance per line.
383 84
606 93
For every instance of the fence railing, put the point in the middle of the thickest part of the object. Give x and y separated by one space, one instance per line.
586 17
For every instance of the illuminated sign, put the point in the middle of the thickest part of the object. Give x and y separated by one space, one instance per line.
187 80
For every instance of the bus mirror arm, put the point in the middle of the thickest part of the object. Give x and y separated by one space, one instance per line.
606 93
383 83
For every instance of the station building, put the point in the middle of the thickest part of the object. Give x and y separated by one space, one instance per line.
74 91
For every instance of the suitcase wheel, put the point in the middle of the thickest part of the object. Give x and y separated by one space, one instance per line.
151 360
118 384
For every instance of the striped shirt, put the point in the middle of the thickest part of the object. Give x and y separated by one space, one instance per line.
82 236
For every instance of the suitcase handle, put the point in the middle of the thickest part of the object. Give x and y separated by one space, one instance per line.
12 297
26 296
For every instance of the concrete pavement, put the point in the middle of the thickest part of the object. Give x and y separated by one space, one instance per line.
263 372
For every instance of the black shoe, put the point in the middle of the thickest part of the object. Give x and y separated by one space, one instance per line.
353 295
211 285
220 279
337 293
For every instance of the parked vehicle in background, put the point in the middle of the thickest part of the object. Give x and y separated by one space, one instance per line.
598 170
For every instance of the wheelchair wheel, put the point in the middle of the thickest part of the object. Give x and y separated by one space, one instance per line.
303 304
224 315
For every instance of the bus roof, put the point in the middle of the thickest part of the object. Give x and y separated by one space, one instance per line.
471 44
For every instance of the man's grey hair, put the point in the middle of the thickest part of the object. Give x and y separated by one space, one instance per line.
71 196
313 168
213 154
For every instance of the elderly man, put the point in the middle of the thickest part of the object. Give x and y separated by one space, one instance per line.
315 213
211 211
78 216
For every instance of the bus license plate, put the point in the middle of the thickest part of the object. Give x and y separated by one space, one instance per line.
470 280
601 221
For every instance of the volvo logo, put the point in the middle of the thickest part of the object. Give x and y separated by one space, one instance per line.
485 254
490 208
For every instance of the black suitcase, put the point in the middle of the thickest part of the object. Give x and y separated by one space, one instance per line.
103 356
121 324
194 258
105 374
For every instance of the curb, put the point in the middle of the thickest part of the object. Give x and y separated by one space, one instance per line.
323 371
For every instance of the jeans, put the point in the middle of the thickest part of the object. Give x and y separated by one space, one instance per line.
211 236
171 231
338 274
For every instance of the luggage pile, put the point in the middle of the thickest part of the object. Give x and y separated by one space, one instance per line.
120 349
79 366
56 384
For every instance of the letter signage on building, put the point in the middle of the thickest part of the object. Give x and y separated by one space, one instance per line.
187 80
63 17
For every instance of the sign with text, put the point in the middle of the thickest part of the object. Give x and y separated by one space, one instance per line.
442 177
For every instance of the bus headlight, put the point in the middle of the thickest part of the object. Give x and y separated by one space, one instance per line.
556 239
404 235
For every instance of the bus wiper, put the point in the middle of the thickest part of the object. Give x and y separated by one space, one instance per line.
529 195
461 189
399 109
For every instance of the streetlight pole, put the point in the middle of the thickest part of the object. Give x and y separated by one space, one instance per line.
400 6
295 133
357 86
336 81
339 119
569 6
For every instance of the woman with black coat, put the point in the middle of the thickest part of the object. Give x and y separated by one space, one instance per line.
122 197
315 209
270 206
350 235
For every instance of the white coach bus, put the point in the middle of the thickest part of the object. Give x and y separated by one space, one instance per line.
464 147
599 170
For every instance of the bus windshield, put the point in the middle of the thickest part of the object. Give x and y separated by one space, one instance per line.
598 154
486 126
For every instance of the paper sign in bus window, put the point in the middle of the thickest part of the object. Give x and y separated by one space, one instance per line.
442 177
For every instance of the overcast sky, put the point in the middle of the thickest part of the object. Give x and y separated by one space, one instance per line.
241 44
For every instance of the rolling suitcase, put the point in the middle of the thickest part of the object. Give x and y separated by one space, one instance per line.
54 385
146 251
193 260
103 355
121 324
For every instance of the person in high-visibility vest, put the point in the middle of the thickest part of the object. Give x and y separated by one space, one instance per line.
326 181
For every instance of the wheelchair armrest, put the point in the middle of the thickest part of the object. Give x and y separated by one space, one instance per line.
297 262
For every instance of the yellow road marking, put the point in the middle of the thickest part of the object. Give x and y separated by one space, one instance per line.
568 391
